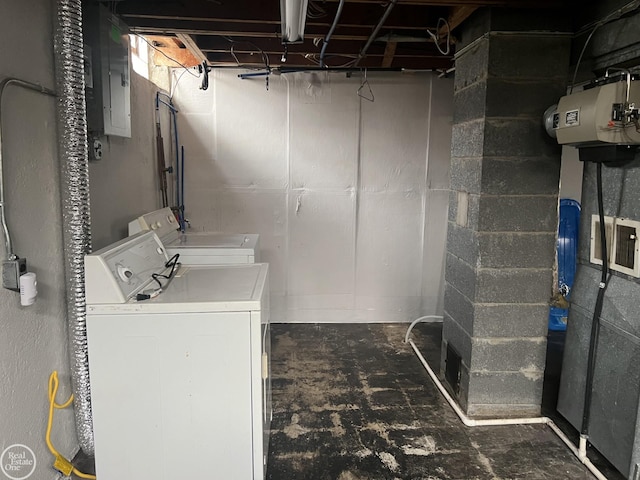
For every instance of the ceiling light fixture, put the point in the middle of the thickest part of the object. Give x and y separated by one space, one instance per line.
293 16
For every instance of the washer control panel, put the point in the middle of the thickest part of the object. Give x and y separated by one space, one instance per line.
118 272
162 221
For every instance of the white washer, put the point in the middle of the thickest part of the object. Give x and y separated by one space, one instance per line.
205 248
180 383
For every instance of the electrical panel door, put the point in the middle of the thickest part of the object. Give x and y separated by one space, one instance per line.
108 90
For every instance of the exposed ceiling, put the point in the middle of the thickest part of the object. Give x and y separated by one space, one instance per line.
247 32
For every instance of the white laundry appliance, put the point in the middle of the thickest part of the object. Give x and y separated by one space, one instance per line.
203 248
179 365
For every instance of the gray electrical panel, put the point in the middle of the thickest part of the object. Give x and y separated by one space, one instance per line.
107 72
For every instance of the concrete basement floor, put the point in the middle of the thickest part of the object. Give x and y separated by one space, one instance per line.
353 402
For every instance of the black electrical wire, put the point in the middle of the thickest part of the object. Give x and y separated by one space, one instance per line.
204 68
171 263
597 311
615 15
325 42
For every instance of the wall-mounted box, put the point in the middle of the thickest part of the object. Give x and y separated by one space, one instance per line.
107 72
623 248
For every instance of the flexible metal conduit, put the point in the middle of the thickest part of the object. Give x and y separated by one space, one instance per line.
374 34
9 254
580 452
74 178
325 43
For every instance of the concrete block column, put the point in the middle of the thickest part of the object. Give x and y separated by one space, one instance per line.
503 213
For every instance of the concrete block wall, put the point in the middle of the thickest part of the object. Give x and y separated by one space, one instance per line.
349 196
503 216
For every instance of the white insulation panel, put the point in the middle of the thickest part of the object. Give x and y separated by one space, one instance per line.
435 242
190 97
195 134
395 135
440 124
389 246
321 246
237 211
324 140
348 196
250 131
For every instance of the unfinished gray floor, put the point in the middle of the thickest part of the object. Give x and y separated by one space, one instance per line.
352 402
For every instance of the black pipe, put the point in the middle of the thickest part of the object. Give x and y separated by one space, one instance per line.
597 311
325 43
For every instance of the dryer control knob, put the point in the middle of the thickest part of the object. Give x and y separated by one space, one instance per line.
124 273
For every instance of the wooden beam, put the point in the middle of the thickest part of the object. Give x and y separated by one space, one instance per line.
192 46
226 33
170 52
478 3
389 52
345 56
456 17
135 20
297 60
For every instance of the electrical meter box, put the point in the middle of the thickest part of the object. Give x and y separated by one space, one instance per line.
107 72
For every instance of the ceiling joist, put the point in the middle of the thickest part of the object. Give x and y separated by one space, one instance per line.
210 30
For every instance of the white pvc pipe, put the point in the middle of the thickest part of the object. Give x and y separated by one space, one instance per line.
431 318
580 453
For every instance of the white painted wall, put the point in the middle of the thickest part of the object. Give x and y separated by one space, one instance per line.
571 174
34 339
349 196
124 183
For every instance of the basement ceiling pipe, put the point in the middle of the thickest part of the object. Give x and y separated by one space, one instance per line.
374 34
325 43
74 178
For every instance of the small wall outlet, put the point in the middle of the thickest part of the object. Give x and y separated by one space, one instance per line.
11 271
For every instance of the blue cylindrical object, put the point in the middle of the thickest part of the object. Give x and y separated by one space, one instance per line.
567 250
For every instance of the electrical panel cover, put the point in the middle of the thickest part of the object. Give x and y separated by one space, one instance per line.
107 72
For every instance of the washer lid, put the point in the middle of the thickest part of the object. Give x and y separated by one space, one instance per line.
203 289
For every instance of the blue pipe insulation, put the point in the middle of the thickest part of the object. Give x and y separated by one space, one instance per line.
181 205
171 107
177 148
250 75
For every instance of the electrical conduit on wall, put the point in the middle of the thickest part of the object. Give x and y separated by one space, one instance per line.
72 147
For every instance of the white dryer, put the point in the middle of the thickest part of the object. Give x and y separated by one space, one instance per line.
179 365
205 248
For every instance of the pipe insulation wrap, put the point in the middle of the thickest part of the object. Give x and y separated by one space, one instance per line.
74 178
